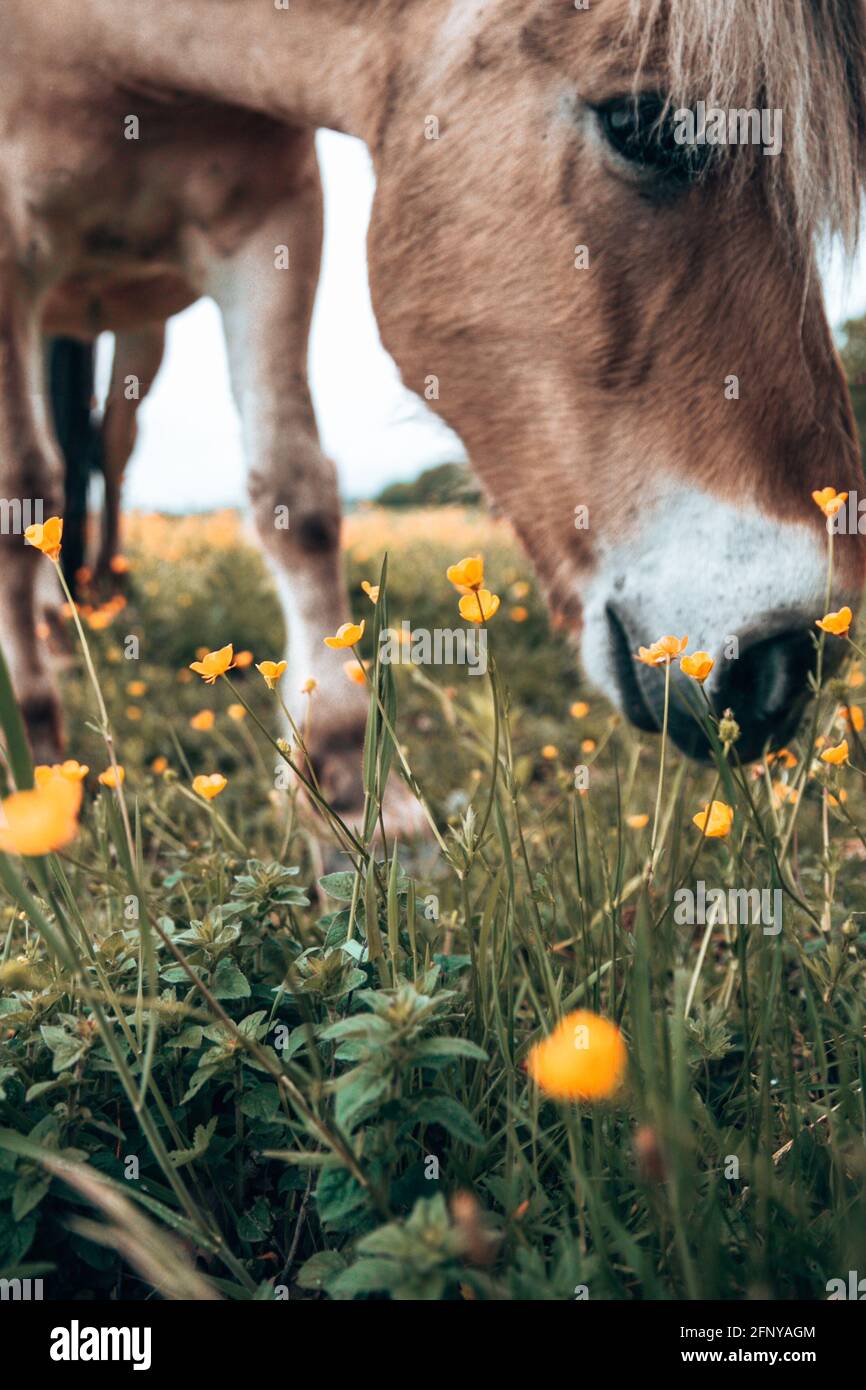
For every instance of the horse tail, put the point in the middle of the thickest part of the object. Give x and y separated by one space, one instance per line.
71 380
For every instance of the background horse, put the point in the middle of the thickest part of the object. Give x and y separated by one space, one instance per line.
676 377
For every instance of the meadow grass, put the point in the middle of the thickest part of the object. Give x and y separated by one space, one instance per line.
272 1080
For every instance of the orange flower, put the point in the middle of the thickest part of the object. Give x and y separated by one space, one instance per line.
371 590
136 689
46 538
243 660
271 671
829 500
478 606
550 751
237 713
584 1058
836 623
108 779
214 664
715 820
159 764
662 651
309 686
133 713
210 786
347 635
588 745
355 672
836 756
638 822
71 770
579 709
101 619
118 564
468 574
783 792
783 756
698 666
39 821
519 589
839 799
853 716
204 720
519 614
856 676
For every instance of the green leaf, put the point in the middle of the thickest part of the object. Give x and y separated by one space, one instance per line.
369 1275
451 1115
318 1271
229 982
444 1049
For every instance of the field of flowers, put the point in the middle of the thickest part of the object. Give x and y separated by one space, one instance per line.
248 1051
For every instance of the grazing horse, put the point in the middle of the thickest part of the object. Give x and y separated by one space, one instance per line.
625 328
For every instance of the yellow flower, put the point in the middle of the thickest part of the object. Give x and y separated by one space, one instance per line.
662 651
478 606
638 822
829 500
519 589
856 676
209 787
550 751
243 660
355 672
108 779
237 713
101 619
836 755
136 689
347 635
204 720
588 745
715 820
71 770
272 671
39 821
584 1058
783 756
853 716
133 713
468 574
698 666
309 686
783 792
839 799
371 590
159 764
579 709
214 664
519 614
46 538
118 564
836 623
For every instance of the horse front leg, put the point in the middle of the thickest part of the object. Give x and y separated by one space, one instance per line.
31 488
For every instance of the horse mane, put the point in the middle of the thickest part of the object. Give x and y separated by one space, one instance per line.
805 57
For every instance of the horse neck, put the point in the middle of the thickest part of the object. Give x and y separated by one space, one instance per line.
317 63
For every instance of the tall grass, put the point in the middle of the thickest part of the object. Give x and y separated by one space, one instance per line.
272 1079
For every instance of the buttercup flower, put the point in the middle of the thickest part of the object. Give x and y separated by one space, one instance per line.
550 751
662 651
214 664
118 564
243 660
468 574
478 606
39 821
853 716
829 500
47 537
698 666
204 720
784 792
309 686
272 671
519 614
108 779
209 786
784 756
588 745
638 822
136 689
347 635
584 1058
237 713
355 673
159 764
371 590
579 709
715 820
836 756
836 623
73 772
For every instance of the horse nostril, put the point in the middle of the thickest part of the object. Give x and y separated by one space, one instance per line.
767 686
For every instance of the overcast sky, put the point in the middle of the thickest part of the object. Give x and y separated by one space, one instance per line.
188 456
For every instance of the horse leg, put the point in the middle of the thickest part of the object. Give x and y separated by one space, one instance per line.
69 369
31 472
137 357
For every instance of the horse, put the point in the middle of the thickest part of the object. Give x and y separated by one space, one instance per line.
623 328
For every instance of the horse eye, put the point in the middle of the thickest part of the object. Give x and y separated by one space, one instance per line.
642 130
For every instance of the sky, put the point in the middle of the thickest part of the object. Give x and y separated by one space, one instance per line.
188 456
